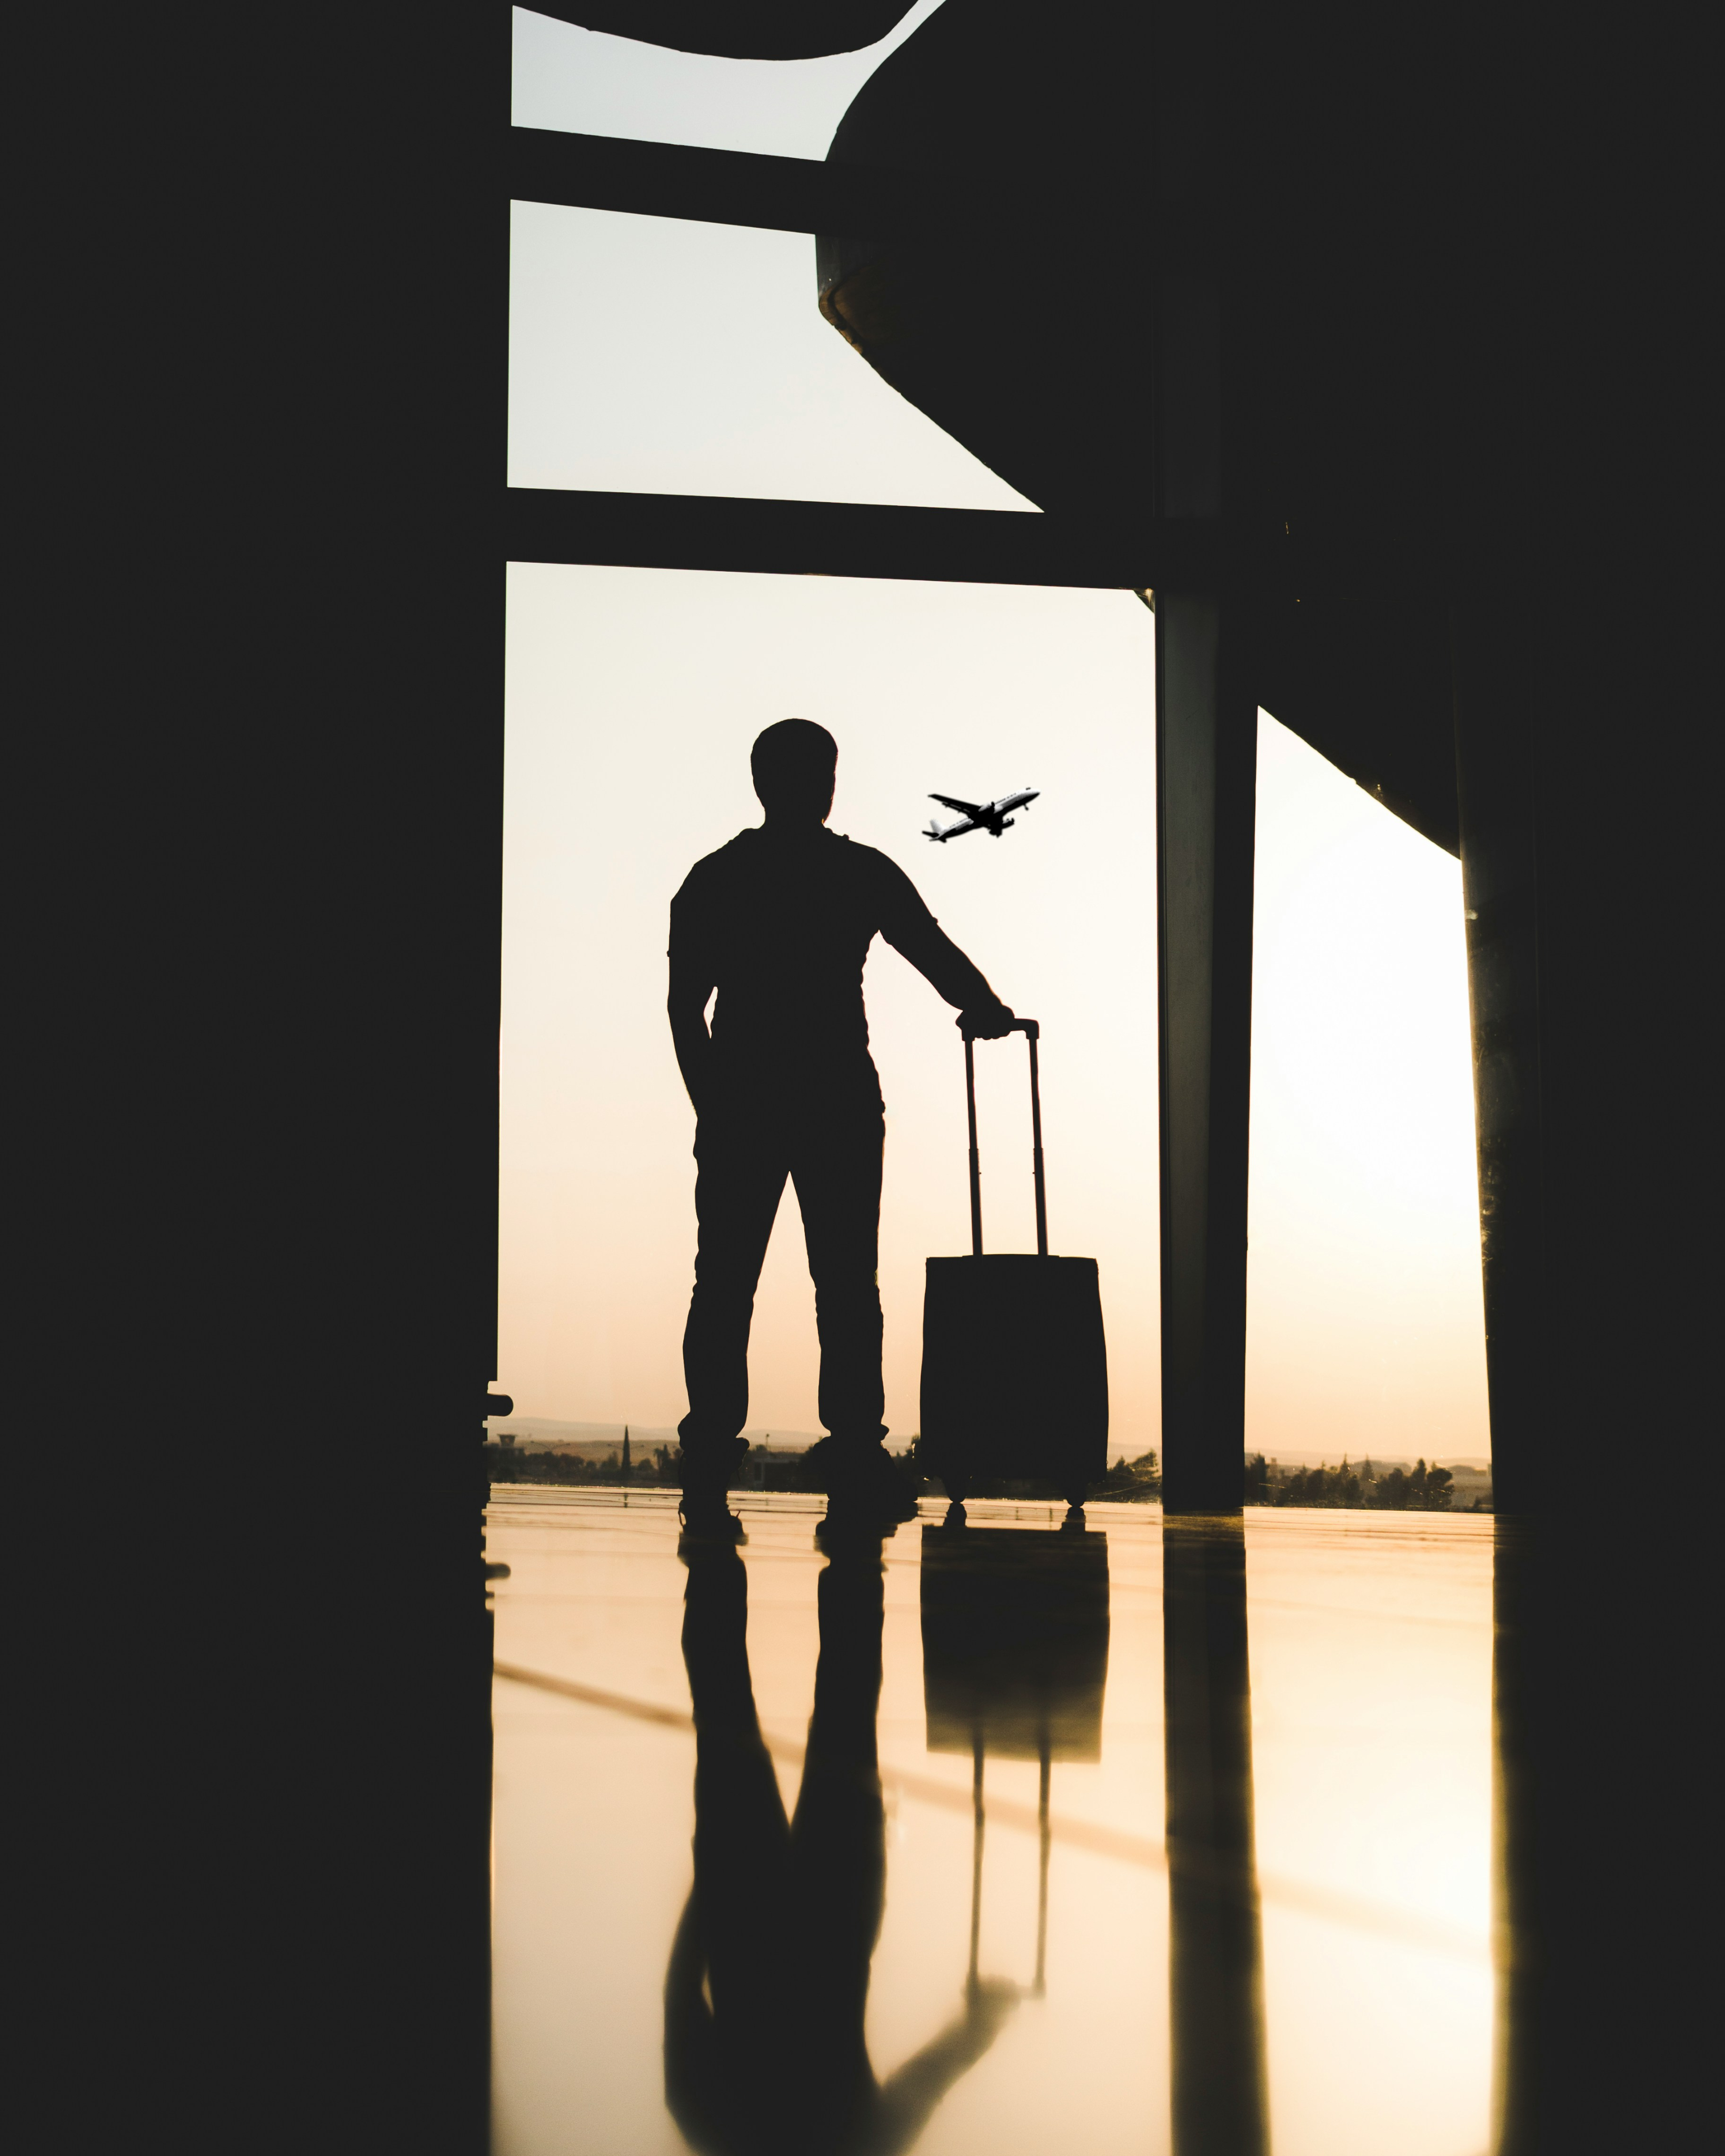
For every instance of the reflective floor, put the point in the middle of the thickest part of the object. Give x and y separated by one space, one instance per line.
803 1936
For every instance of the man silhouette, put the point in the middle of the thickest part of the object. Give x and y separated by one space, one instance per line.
779 921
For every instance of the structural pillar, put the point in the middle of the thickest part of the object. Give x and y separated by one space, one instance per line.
1206 769
1206 732
1206 762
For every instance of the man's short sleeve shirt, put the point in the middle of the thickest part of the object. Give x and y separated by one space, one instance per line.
780 927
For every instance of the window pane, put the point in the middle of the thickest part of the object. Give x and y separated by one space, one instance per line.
634 697
659 356
585 84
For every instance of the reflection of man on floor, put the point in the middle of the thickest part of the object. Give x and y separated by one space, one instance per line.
779 921
764 1999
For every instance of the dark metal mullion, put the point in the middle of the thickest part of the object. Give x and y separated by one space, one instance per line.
854 539
1206 753
715 187
777 194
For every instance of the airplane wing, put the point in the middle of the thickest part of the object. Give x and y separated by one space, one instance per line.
964 808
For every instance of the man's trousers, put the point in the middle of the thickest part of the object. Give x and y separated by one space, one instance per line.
830 1151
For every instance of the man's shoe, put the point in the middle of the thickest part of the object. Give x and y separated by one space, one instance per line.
868 1492
708 1522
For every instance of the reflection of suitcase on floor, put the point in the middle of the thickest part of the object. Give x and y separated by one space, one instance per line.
1015 1663
1015 1367
1014 1641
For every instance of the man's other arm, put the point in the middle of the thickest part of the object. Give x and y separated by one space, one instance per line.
686 1007
691 984
913 930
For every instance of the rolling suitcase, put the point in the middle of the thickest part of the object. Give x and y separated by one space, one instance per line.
1015 1367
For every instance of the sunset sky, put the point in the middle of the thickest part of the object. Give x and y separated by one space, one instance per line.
658 354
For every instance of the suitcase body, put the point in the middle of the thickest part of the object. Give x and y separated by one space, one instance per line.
1014 1364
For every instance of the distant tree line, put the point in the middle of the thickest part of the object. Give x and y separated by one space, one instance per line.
1135 1482
1131 1482
1418 1489
508 1463
763 1467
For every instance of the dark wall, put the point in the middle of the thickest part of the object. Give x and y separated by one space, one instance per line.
261 689
1584 683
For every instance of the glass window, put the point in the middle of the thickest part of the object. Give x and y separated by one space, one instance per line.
586 84
655 356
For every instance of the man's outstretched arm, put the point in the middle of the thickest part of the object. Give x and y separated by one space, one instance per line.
917 934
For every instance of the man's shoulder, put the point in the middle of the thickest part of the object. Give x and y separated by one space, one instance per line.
864 861
719 867
886 882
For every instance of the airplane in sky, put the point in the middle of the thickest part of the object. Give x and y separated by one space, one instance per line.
992 817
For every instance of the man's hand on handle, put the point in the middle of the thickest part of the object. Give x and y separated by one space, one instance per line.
986 1022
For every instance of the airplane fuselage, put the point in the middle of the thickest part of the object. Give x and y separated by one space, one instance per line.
992 817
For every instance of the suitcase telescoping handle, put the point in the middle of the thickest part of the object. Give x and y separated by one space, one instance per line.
1029 1029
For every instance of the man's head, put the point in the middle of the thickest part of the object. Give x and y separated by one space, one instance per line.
794 764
